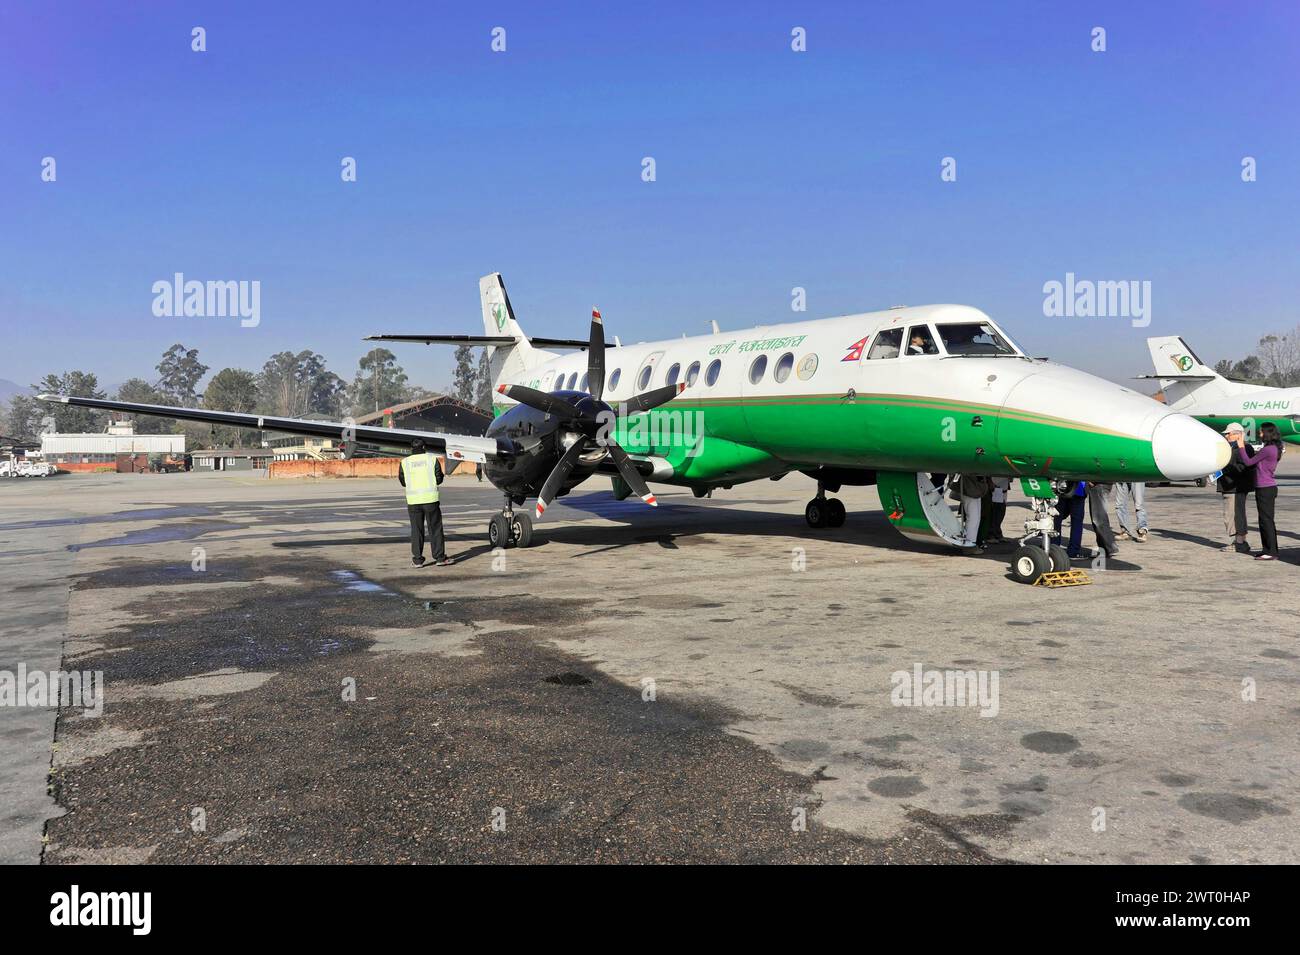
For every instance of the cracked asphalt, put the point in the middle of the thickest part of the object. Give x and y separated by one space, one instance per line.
712 681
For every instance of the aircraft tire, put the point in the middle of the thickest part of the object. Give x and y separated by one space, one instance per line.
1029 563
521 531
835 512
498 532
815 513
1059 558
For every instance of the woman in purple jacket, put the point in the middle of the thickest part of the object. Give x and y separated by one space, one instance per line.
1265 463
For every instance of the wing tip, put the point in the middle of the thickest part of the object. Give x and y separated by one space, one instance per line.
650 499
49 397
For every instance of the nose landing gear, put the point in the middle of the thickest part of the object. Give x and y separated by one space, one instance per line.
823 511
1038 553
510 528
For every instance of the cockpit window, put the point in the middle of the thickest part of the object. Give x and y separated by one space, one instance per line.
973 338
887 344
920 341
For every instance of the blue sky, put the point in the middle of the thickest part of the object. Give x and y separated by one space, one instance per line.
775 169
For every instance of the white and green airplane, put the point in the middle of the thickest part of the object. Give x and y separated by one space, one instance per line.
1193 388
884 398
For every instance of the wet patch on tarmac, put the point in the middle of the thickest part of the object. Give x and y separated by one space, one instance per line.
1047 742
430 751
1230 807
160 535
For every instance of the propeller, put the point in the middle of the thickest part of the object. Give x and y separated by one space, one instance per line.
584 418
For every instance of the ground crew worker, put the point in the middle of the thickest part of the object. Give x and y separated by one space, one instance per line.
420 474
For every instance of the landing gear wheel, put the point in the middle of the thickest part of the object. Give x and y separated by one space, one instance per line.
815 512
835 512
498 531
1029 563
521 529
1059 557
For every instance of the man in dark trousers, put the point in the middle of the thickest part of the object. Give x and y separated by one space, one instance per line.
421 473
1099 511
1235 483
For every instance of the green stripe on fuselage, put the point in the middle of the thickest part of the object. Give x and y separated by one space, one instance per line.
743 439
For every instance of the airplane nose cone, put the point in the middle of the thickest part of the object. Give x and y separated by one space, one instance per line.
1185 449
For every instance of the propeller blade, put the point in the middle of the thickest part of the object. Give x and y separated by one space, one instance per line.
653 398
539 400
630 474
558 474
596 356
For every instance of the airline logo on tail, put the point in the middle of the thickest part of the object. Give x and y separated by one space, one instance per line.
1182 362
499 313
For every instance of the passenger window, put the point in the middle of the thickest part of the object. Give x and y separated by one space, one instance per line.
757 368
711 376
673 372
613 379
783 367
887 344
920 341
643 379
692 374
583 385
573 381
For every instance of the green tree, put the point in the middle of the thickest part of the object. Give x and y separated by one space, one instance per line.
466 375
232 389
139 391
180 371
379 383
23 418
292 385
66 419
483 395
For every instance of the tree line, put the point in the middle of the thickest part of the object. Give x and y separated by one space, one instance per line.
289 385
1275 362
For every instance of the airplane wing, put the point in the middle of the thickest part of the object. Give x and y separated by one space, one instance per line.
479 340
459 447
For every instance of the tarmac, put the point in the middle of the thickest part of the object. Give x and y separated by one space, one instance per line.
707 681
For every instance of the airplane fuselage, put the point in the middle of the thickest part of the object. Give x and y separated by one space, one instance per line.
806 395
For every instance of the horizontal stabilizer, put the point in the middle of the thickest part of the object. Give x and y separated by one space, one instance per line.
1177 377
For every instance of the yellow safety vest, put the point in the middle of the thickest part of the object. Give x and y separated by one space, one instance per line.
421 481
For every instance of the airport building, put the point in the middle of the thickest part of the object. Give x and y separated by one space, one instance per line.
232 459
119 449
435 413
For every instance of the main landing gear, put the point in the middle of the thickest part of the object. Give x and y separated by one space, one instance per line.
1038 553
823 511
510 529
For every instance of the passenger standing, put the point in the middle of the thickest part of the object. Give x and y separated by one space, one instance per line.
421 473
1099 511
972 488
1236 481
1070 503
1265 461
994 510
1134 529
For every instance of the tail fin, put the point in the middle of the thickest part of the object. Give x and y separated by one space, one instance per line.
1184 378
510 362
